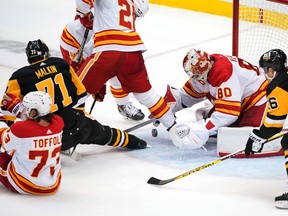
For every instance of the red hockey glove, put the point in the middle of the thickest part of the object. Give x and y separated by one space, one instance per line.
99 96
87 20
11 103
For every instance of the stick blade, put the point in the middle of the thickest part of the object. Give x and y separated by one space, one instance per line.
154 181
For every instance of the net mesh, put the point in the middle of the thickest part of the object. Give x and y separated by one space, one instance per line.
263 25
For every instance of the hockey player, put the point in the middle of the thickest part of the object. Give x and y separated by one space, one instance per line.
118 52
274 64
30 162
56 77
234 87
70 44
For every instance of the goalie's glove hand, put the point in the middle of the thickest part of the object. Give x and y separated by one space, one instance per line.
87 20
100 95
189 136
254 144
11 103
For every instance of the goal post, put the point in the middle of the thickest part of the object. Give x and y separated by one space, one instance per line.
258 26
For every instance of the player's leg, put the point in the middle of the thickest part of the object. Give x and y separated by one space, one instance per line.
4 161
124 106
81 128
134 78
282 200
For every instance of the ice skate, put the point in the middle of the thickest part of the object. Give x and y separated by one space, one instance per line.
281 201
130 112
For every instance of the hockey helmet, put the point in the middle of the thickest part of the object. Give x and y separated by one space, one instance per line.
141 7
197 64
275 59
36 50
38 100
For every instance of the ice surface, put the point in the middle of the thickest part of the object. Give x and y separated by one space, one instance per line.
106 181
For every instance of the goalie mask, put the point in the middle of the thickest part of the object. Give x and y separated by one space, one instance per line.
38 100
36 50
141 7
197 64
275 59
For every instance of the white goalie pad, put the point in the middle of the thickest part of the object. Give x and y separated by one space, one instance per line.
232 139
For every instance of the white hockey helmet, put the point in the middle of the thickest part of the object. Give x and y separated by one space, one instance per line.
197 64
141 7
38 100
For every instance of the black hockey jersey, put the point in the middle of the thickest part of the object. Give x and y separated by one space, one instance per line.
52 75
277 105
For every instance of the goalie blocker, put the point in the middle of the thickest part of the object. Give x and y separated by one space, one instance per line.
231 139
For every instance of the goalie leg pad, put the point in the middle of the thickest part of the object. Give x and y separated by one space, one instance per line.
173 99
231 139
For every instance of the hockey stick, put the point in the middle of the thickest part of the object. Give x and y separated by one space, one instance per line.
93 104
156 181
142 124
78 59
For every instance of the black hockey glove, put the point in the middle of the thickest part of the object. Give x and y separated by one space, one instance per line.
254 144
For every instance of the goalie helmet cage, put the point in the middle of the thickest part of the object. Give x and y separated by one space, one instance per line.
258 26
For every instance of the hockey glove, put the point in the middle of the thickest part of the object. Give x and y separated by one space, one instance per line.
11 103
254 144
189 136
100 95
87 20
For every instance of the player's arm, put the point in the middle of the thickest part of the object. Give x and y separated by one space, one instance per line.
12 104
224 114
84 13
276 114
273 121
13 87
182 98
9 140
3 137
83 6
81 90
12 109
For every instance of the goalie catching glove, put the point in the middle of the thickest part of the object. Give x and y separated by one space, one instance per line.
189 136
254 144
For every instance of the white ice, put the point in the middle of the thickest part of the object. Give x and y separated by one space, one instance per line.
107 181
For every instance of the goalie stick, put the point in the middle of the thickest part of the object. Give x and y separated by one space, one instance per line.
155 181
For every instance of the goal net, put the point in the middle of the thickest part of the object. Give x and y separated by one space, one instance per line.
258 26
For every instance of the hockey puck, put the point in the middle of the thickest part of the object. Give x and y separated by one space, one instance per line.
154 132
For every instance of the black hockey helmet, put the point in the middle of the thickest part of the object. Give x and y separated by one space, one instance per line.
275 59
36 50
